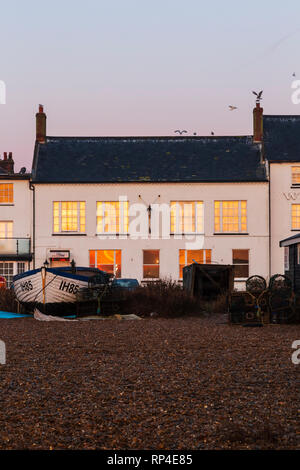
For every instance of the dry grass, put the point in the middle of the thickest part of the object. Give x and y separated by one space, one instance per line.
164 297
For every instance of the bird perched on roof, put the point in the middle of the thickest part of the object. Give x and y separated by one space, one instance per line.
258 95
180 132
232 108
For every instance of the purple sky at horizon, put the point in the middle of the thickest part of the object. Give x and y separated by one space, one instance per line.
137 67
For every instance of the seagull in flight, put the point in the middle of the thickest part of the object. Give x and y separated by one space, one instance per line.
180 132
294 75
258 95
232 108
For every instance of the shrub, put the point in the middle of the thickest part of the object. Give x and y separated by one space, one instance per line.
8 301
164 297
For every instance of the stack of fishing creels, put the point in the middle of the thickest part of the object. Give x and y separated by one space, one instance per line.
281 299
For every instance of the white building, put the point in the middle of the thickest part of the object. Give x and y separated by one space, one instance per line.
143 207
15 220
97 201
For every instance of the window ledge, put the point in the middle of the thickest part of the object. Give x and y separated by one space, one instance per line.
231 233
109 234
68 234
173 234
240 279
6 204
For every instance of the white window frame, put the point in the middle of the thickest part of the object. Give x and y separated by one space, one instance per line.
241 264
5 203
6 231
292 183
148 264
185 257
240 215
287 257
291 215
60 217
108 249
298 253
178 219
121 230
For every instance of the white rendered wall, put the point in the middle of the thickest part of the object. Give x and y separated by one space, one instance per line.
256 241
283 195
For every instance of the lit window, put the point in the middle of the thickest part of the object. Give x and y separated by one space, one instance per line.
151 264
296 216
7 271
68 216
187 217
240 261
296 175
6 229
187 257
106 260
112 217
230 216
6 193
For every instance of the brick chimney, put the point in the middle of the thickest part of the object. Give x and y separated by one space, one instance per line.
258 123
41 125
7 164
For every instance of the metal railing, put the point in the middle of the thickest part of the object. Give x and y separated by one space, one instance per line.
15 247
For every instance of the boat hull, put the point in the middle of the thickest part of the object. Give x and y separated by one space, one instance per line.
52 291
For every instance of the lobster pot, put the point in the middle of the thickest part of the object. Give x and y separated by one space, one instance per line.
241 307
282 308
245 307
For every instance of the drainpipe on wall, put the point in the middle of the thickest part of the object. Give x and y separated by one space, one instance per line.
32 188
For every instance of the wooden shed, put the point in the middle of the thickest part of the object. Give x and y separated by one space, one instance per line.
291 247
208 281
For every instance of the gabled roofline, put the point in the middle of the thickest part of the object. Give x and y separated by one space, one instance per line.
152 182
151 137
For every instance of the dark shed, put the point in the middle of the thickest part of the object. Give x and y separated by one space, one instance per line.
208 281
292 259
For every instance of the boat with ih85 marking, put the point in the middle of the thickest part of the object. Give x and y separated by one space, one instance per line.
54 290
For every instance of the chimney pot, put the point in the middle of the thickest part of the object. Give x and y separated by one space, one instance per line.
10 155
5 155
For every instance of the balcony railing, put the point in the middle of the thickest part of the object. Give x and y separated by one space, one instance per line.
18 248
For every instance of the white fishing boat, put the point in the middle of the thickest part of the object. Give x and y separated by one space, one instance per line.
54 290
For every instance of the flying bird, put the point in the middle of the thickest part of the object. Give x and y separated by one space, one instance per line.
180 132
232 108
258 95
294 75
212 133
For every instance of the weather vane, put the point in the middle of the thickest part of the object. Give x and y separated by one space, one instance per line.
258 96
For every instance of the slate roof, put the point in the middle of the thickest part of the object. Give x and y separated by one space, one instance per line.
147 159
282 138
